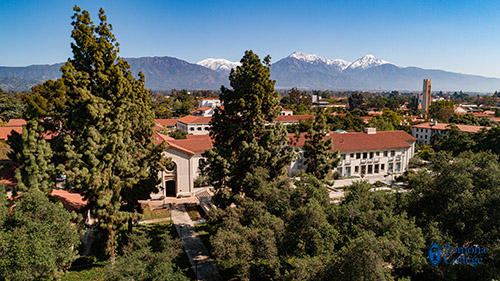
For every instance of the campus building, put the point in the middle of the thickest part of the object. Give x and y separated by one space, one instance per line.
367 153
424 132
362 153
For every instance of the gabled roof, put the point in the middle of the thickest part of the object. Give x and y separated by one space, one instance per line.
5 131
159 138
166 122
357 141
70 200
446 126
192 145
191 119
16 123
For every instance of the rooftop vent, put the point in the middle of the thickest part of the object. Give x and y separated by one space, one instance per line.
370 131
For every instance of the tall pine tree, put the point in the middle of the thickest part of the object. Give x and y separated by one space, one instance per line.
245 136
33 154
109 123
319 159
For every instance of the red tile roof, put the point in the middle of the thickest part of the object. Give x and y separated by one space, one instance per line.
338 114
192 145
70 200
191 119
479 115
445 126
166 122
356 141
291 118
209 99
5 131
16 123
159 138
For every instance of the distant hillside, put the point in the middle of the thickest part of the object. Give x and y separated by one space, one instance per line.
165 73
369 73
162 73
300 70
17 84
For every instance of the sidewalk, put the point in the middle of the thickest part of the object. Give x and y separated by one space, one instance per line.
198 255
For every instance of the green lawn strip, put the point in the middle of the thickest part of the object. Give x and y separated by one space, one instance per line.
193 211
149 214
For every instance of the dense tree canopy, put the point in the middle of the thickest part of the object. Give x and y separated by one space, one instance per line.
244 133
108 123
37 240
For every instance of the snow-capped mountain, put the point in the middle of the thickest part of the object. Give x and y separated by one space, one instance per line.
313 58
367 61
220 65
300 70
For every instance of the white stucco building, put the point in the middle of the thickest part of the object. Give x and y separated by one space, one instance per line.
186 155
368 153
423 132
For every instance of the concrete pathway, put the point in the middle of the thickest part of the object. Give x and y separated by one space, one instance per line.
369 179
198 255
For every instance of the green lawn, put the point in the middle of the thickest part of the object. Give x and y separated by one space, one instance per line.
193 211
148 214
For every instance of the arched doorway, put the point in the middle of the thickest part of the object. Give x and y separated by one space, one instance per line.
170 179
170 190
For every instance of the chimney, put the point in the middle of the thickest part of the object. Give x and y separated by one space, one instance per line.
370 131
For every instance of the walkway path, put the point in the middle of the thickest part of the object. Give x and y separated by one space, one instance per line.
198 255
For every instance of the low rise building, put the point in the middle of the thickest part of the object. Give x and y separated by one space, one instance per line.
367 153
424 132
196 125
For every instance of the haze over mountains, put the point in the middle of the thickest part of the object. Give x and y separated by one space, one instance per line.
304 71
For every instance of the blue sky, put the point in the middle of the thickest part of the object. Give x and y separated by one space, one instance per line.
455 35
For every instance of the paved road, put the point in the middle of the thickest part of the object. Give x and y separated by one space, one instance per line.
198 255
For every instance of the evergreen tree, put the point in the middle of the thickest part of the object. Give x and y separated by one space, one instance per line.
108 123
33 154
319 159
140 262
243 130
37 240
11 106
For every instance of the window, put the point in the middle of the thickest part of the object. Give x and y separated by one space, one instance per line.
199 128
416 136
206 128
191 129
393 153
398 167
370 169
382 167
390 168
365 155
343 156
358 155
356 169
352 155
377 153
201 162
385 153
363 169
339 170
371 154
376 169
347 171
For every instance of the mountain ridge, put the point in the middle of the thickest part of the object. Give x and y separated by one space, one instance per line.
301 70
